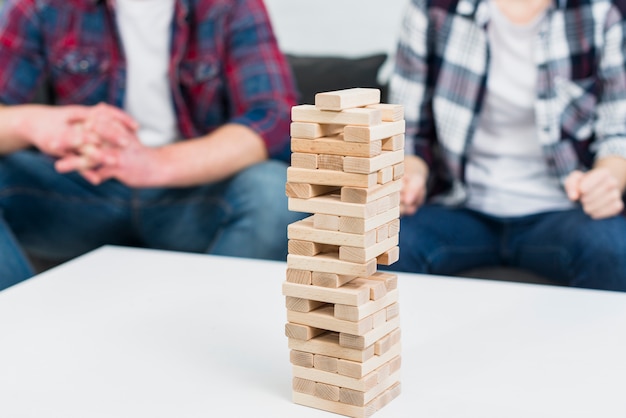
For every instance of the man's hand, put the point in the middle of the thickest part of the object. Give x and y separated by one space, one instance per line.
413 191
597 190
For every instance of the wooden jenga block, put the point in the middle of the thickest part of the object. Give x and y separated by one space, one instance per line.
391 112
370 165
326 363
362 255
310 130
308 248
392 311
389 257
362 194
328 344
398 171
358 370
394 200
379 318
394 364
331 204
330 178
330 162
301 358
357 398
390 279
301 304
299 276
362 341
385 175
348 98
360 226
393 143
364 134
303 386
382 233
301 332
383 204
396 334
331 280
326 222
356 313
330 263
359 116
377 288
304 191
324 391
381 346
394 227
332 378
335 145
352 295
324 318
303 160
308 230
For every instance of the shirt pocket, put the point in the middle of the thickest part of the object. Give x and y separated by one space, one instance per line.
80 76
578 102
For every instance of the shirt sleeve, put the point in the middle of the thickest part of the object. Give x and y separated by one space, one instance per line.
259 78
21 60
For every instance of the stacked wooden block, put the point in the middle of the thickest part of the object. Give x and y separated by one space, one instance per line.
343 315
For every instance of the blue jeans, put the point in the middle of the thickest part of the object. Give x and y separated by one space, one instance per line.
58 217
567 247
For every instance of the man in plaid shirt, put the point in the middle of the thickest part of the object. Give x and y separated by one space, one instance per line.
165 114
516 113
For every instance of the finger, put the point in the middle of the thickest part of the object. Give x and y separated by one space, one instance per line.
108 112
71 163
113 133
91 176
596 178
571 185
77 113
604 205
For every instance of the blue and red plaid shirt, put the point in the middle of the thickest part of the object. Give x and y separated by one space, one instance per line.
441 76
225 65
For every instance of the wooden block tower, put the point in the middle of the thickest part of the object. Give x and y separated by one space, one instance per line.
343 315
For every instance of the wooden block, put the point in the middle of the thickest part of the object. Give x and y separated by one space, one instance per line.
394 199
364 134
335 145
304 191
381 346
331 204
357 398
398 171
325 363
346 409
360 226
377 288
302 160
360 116
301 332
330 162
390 279
362 255
301 304
362 341
331 280
328 344
307 230
392 311
348 98
395 364
391 112
356 313
369 194
313 130
384 371
394 227
349 294
383 204
358 370
382 233
301 358
324 391
330 178
385 175
326 222
379 318
370 165
299 276
308 248
362 384
324 318
395 336
390 257
393 143
303 386
330 263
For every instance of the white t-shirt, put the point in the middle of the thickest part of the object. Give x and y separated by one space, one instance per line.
506 173
145 30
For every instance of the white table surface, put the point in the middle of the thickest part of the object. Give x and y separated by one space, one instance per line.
136 333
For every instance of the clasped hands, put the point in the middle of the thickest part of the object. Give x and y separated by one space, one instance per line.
100 142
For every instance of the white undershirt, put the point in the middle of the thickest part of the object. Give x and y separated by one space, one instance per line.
506 172
145 29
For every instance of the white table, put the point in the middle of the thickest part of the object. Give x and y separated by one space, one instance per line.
135 333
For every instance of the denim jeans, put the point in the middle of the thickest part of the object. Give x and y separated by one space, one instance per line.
565 246
58 217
